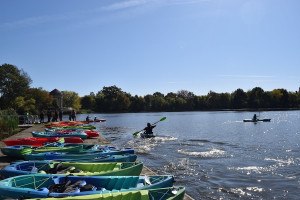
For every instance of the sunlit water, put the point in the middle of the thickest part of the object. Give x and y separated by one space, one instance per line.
215 155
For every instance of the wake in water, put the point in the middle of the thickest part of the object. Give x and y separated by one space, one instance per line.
144 146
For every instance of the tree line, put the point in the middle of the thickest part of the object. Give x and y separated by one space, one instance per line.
16 93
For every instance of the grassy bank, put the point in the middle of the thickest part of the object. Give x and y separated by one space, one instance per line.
8 123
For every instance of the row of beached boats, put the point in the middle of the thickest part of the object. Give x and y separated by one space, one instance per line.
48 167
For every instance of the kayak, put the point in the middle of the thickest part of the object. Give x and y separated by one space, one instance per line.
94 148
143 135
169 193
19 151
90 133
106 158
258 120
44 185
80 134
16 151
77 156
73 140
74 168
86 127
66 123
32 141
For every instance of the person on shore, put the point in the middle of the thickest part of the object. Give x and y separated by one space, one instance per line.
49 115
73 115
42 116
148 130
254 117
70 116
55 116
60 115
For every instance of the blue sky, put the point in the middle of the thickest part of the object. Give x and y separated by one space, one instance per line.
145 46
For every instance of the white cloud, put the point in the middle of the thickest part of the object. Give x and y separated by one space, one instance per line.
245 76
84 16
126 4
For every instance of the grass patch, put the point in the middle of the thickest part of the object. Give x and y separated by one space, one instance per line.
8 123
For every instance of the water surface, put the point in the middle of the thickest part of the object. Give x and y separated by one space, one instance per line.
215 155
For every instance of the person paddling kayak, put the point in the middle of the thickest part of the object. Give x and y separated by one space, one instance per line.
254 118
148 131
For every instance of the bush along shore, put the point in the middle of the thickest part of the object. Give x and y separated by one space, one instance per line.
8 123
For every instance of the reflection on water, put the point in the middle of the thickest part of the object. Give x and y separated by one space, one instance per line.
214 154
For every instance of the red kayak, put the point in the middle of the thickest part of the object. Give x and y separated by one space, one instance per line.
65 123
32 141
73 140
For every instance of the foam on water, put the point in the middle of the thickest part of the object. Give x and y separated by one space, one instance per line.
213 153
144 146
253 169
281 162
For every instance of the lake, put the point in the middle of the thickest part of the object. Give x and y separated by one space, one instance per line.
215 155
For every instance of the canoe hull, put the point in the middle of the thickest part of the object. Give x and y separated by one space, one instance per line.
85 169
172 193
32 141
82 135
77 156
42 185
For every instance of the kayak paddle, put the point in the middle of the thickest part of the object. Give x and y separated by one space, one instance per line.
136 133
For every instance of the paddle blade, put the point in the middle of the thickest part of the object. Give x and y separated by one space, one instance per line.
162 119
136 133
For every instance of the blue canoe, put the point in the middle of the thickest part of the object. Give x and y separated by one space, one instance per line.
43 185
74 168
80 134
77 156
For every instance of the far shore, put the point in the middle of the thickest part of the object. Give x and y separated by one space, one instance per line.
207 110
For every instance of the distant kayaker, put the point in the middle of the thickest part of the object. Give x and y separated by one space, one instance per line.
87 118
148 130
254 117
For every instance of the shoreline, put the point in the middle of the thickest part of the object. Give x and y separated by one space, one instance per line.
206 110
5 160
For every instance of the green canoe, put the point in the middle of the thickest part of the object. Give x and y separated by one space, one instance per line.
19 151
172 193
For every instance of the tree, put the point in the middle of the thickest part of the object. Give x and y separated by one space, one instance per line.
71 99
22 105
293 100
112 99
255 97
280 98
239 99
88 102
137 104
189 98
213 100
13 83
43 100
